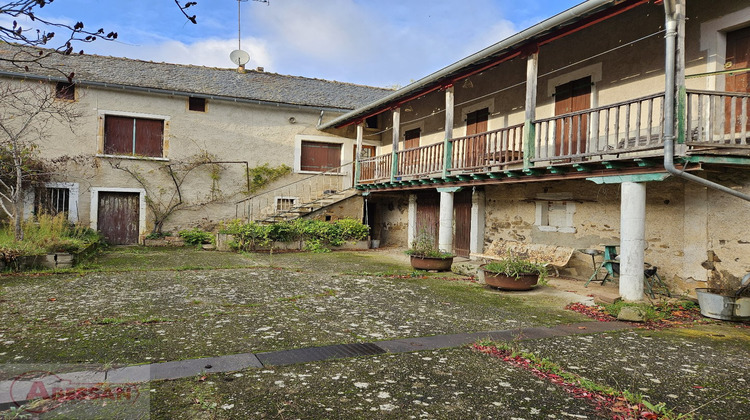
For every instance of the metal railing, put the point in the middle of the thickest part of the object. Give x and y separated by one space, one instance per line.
420 161
297 197
486 151
718 119
627 126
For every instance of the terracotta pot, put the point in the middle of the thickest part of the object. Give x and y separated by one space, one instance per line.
427 263
501 281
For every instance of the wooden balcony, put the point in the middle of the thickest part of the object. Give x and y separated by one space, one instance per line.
628 136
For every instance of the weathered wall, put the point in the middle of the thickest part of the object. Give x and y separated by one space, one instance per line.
351 208
391 218
683 223
227 131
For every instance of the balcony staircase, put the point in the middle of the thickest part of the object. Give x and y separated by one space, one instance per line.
299 198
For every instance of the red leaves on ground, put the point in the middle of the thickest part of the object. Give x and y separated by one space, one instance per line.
617 405
596 312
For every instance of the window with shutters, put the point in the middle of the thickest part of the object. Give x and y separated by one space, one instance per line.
320 156
555 216
132 136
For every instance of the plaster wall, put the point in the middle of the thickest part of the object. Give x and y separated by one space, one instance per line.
227 131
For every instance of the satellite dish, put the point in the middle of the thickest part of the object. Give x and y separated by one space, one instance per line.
239 57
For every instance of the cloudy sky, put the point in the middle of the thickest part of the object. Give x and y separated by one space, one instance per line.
374 42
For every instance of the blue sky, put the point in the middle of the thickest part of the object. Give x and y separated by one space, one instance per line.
374 42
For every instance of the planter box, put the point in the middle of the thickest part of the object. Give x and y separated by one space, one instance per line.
501 281
58 260
165 241
431 264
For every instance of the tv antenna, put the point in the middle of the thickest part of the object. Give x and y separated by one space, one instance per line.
239 57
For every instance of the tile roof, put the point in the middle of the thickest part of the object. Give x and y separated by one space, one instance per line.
254 85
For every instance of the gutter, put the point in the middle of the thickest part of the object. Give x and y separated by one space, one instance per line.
670 77
525 35
116 86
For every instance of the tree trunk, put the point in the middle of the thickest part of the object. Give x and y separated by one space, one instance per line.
18 202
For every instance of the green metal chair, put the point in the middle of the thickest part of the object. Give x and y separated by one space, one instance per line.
609 263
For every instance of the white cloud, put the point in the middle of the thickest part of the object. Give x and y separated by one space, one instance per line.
209 52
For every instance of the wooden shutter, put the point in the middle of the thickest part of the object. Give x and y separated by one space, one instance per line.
738 57
320 157
476 123
148 137
570 134
118 135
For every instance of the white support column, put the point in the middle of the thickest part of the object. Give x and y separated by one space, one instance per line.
447 145
396 137
445 232
411 227
360 136
632 240
532 69
476 241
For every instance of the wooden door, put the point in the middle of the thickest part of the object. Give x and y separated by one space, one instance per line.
570 133
462 218
738 57
118 217
366 171
428 215
411 159
476 123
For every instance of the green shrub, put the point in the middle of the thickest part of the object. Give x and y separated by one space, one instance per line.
318 235
424 247
196 236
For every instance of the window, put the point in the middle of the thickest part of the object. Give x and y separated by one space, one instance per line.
285 203
52 201
319 156
65 91
555 216
197 104
371 122
133 136
55 198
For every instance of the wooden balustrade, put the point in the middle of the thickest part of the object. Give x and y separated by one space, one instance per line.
717 119
421 161
622 127
375 169
486 151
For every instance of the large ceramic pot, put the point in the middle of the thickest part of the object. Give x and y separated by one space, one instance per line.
431 264
501 281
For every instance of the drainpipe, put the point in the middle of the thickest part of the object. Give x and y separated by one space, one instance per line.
669 101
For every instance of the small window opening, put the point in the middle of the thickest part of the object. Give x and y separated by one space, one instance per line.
371 122
284 204
52 201
197 104
65 91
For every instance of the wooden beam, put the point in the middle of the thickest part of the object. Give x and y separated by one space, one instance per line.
447 145
396 137
532 69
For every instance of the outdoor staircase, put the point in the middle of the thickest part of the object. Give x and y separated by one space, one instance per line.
328 198
300 197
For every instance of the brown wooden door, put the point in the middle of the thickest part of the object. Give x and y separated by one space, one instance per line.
738 57
366 171
476 122
428 214
570 134
118 217
462 217
411 159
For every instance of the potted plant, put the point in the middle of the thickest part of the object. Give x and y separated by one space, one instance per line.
426 256
514 273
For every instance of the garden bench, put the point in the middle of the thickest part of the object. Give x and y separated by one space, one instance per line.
549 255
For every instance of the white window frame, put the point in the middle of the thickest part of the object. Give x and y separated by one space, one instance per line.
73 191
542 203
165 135
295 201
94 207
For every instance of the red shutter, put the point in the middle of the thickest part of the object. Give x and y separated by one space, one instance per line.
320 156
118 135
148 137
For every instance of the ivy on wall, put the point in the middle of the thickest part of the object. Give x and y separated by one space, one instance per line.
262 175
